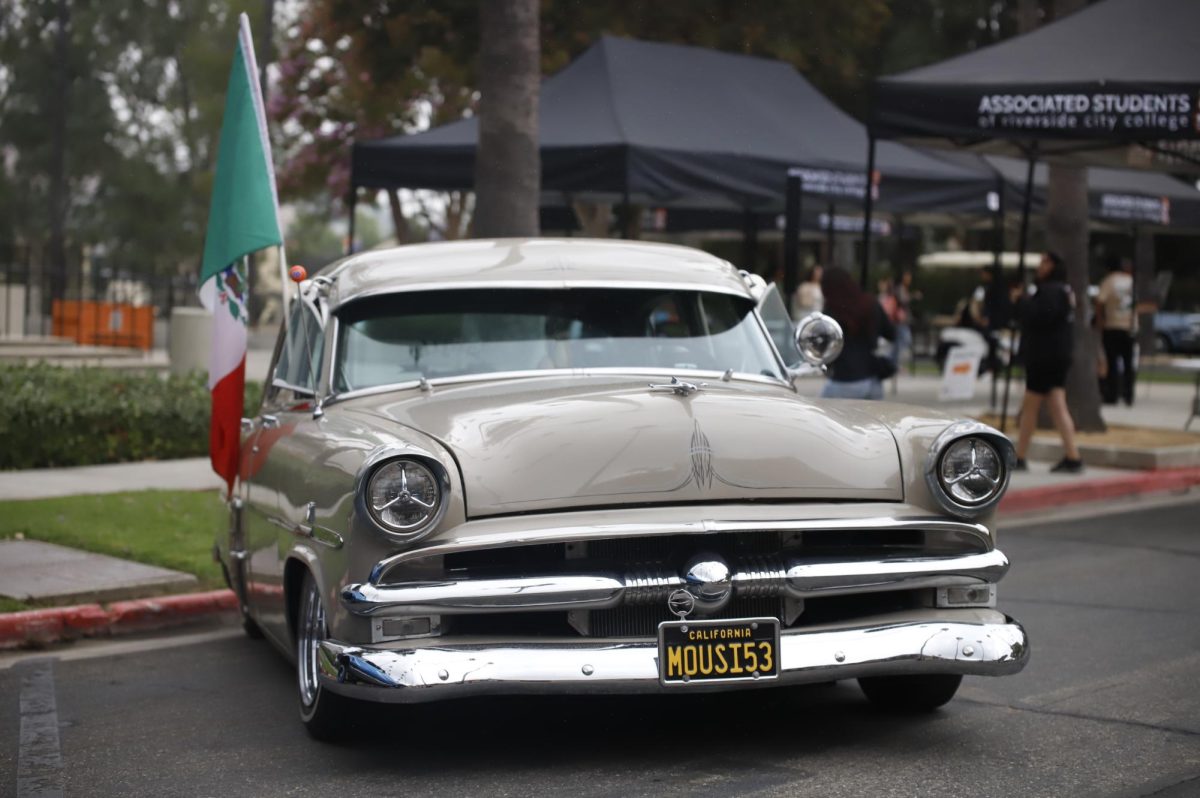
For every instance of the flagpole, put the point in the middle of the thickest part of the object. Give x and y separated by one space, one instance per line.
260 111
284 280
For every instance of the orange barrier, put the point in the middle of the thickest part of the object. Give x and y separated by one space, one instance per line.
104 323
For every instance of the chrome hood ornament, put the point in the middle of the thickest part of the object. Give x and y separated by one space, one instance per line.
678 387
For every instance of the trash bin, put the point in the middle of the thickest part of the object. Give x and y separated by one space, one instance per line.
189 339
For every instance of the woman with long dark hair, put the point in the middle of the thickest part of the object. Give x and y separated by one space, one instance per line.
1046 344
858 372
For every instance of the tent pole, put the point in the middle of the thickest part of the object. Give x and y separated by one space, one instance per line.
350 226
749 241
1137 273
998 287
625 212
867 207
791 236
1022 241
829 242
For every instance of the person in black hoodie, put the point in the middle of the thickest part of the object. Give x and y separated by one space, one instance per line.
1046 343
858 373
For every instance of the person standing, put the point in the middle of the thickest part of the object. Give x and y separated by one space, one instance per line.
905 296
1117 323
808 297
1046 343
858 372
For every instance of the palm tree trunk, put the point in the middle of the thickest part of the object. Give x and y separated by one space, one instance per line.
1067 234
507 163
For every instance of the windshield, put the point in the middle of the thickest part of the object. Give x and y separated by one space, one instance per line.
406 336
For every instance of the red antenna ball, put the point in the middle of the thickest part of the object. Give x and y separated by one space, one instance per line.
298 274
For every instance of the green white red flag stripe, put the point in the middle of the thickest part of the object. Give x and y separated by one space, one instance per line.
243 218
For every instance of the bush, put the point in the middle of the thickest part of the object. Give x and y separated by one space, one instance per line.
53 416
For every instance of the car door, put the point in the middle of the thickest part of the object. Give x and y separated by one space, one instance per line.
274 468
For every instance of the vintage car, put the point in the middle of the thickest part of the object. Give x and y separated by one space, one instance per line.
583 466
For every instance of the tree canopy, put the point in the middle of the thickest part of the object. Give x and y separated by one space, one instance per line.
108 131
119 114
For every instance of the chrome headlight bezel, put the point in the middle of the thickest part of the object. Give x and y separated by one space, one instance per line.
965 430
814 332
406 534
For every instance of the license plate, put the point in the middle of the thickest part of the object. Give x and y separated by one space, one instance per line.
737 650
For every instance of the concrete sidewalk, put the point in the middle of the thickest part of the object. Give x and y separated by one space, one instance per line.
45 483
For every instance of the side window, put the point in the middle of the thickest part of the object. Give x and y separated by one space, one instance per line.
299 365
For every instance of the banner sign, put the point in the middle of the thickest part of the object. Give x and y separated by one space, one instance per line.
1135 208
1148 113
836 182
1064 112
854 224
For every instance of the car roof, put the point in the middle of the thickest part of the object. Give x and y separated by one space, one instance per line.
529 263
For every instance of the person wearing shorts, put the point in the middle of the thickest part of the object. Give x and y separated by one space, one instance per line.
1046 344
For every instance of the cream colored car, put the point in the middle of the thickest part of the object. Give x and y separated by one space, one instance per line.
535 466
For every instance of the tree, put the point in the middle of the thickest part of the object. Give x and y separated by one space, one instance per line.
508 173
55 126
1067 217
355 69
109 114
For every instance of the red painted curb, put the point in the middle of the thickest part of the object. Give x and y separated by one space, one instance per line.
33 626
1161 481
121 617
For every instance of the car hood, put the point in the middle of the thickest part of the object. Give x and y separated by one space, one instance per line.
552 443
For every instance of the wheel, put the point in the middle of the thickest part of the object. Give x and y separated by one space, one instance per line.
910 693
325 715
1162 344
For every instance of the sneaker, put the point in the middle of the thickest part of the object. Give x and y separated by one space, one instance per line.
1021 465
1068 466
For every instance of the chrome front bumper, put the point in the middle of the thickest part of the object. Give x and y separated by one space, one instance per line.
989 644
794 577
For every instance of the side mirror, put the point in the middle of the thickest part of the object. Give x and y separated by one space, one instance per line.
819 339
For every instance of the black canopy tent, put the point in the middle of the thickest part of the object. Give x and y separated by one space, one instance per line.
1117 196
1117 83
663 124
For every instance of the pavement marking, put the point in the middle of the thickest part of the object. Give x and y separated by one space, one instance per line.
90 649
39 760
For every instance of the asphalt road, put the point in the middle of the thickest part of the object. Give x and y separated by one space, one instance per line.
1109 706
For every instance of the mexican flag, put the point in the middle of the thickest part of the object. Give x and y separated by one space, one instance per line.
243 218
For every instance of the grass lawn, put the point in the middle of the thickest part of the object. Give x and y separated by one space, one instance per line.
172 529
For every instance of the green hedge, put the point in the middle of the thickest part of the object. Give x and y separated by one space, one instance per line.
53 416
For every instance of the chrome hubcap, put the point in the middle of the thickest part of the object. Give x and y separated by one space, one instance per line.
311 632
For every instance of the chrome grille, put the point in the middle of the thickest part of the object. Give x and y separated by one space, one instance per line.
643 620
667 548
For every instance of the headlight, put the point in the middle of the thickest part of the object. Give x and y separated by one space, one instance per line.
405 496
969 467
970 471
819 339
